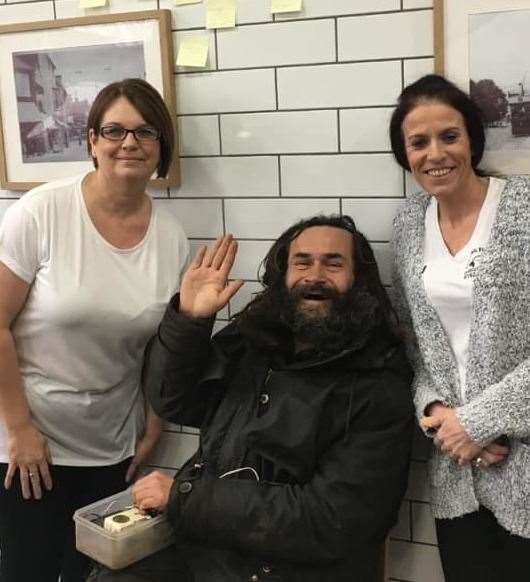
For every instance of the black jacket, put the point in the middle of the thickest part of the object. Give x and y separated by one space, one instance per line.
330 441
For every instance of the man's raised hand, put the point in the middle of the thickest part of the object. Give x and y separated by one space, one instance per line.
204 289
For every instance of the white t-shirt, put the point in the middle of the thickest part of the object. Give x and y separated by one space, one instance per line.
90 311
448 279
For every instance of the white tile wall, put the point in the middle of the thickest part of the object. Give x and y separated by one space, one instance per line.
249 256
225 91
286 43
360 175
423 528
415 562
71 8
297 126
286 132
199 218
244 295
199 135
373 217
364 130
408 4
406 34
269 218
413 69
315 8
11 13
229 176
350 85
4 205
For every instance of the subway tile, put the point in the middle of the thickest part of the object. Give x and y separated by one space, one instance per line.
182 17
226 91
283 132
231 176
249 257
418 489
423 528
402 528
4 205
383 257
364 130
211 62
253 11
339 85
317 8
10 194
173 449
72 8
407 4
286 43
413 69
219 325
411 186
404 34
194 15
244 296
199 135
418 563
359 175
373 217
199 218
269 218
11 13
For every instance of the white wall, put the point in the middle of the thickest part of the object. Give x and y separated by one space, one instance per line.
290 120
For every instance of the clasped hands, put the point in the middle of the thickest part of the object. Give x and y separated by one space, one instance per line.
452 439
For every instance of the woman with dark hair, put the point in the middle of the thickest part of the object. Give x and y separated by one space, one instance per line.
462 276
87 265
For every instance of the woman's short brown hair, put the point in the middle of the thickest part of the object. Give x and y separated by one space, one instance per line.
147 100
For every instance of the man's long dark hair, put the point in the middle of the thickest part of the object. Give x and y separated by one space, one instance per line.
261 318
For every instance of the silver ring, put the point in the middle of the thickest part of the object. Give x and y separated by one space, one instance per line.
31 474
478 461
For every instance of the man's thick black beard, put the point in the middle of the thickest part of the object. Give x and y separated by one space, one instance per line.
274 321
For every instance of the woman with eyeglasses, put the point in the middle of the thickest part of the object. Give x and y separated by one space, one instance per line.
87 266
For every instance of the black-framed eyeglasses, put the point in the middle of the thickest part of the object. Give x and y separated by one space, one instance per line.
119 133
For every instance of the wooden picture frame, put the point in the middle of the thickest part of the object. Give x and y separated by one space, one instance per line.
50 71
483 47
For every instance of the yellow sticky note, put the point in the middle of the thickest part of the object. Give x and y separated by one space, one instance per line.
182 2
92 3
220 13
193 51
279 6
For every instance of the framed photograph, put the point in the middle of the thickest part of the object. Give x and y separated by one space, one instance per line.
483 46
51 71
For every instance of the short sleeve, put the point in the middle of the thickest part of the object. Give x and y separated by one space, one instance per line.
19 242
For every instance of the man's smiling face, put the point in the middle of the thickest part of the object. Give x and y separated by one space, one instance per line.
320 268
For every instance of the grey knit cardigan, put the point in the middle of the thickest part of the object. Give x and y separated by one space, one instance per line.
497 395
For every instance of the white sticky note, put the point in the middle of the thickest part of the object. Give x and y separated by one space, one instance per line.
279 6
183 2
220 13
92 3
193 51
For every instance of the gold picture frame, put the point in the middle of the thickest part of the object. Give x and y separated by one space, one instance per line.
47 82
483 47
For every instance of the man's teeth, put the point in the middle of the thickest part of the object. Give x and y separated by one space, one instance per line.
439 172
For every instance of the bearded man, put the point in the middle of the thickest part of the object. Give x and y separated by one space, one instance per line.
305 413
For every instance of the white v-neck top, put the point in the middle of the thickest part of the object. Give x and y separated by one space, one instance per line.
90 311
448 279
